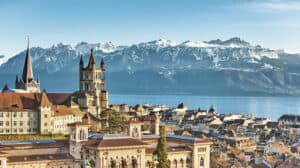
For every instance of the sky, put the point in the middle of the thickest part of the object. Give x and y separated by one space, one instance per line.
273 24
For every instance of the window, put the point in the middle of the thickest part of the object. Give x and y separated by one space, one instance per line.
7 114
28 123
1 114
201 162
1 123
21 123
1 131
7 131
15 130
45 124
15 123
21 115
28 114
15 115
45 115
7 123
21 130
202 149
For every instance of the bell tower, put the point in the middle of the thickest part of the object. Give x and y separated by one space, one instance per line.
92 96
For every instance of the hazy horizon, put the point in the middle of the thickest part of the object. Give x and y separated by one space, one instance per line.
272 23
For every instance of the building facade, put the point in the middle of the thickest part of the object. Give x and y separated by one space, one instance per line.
92 96
24 110
135 150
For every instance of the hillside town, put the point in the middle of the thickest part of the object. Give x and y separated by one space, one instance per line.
96 134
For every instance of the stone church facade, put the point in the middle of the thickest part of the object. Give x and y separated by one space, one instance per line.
26 110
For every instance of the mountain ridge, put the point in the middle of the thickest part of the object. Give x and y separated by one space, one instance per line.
242 68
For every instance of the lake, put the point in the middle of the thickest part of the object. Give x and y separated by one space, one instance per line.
269 107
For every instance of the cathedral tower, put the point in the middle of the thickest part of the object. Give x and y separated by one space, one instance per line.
27 82
92 96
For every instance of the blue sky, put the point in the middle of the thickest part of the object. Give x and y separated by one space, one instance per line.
270 23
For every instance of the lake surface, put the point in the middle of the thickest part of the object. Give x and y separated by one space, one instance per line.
269 107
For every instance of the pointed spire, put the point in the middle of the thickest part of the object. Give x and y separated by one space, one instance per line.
17 79
44 99
38 78
81 60
92 60
102 63
27 70
5 89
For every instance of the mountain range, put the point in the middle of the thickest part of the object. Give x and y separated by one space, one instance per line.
216 67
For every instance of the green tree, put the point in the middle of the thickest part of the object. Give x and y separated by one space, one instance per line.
161 149
111 120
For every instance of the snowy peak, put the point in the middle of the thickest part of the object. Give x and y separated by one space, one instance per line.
108 47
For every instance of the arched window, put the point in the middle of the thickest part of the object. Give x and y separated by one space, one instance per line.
201 162
174 163
181 164
92 163
134 163
148 165
113 164
188 163
123 163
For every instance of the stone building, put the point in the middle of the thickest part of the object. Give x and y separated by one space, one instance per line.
134 149
25 110
92 96
36 113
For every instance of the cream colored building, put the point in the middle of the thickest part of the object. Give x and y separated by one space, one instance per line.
117 150
36 113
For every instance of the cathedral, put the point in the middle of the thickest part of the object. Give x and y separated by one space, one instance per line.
26 110
27 82
92 96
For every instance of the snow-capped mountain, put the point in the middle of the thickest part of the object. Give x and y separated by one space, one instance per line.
233 66
3 59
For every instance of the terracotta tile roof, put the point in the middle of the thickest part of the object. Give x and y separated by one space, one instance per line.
44 100
170 149
62 110
30 158
88 115
56 144
148 118
76 124
30 101
114 142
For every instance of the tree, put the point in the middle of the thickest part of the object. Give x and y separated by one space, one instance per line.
161 149
111 120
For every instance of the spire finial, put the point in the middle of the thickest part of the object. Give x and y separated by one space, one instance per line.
27 42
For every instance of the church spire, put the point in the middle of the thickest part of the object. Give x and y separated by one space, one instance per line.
92 60
27 74
102 63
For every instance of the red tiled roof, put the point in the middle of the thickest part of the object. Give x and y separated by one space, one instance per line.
30 101
148 118
115 142
30 158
